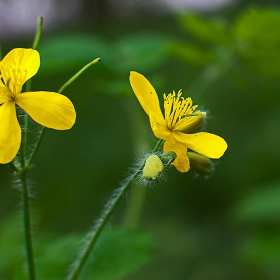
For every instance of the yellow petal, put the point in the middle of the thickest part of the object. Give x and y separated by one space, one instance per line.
3 94
18 66
146 95
206 144
10 133
49 109
181 162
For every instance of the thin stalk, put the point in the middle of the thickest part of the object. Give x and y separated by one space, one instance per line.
71 80
27 227
102 221
24 145
66 85
38 33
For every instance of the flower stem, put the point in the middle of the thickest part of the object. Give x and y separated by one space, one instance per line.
27 226
102 221
71 80
28 88
66 85
38 33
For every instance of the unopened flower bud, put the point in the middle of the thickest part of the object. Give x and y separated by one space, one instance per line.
200 164
195 122
168 157
153 167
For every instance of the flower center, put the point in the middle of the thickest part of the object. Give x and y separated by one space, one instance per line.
178 111
10 95
12 78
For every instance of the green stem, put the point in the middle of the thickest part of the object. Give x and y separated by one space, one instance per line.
27 226
38 33
27 89
71 80
102 221
66 85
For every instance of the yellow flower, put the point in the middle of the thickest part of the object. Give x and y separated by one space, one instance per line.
179 116
49 109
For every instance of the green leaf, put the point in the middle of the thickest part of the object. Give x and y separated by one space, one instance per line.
70 50
263 61
120 252
259 28
258 41
264 247
261 205
11 243
191 54
210 31
141 52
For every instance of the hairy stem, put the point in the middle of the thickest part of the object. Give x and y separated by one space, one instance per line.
102 221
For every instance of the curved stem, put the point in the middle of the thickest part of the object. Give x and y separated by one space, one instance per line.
102 221
27 226
72 79
66 85
38 33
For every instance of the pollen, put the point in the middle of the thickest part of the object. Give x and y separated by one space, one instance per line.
178 110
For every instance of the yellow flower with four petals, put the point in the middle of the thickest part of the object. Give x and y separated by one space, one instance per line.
49 109
180 115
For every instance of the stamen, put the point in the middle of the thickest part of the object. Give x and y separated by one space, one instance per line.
178 110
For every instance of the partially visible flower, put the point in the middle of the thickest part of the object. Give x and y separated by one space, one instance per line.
180 115
49 109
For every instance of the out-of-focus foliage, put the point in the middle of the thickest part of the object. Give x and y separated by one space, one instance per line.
262 206
253 37
119 252
222 227
144 52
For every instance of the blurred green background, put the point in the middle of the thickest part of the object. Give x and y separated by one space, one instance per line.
191 227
